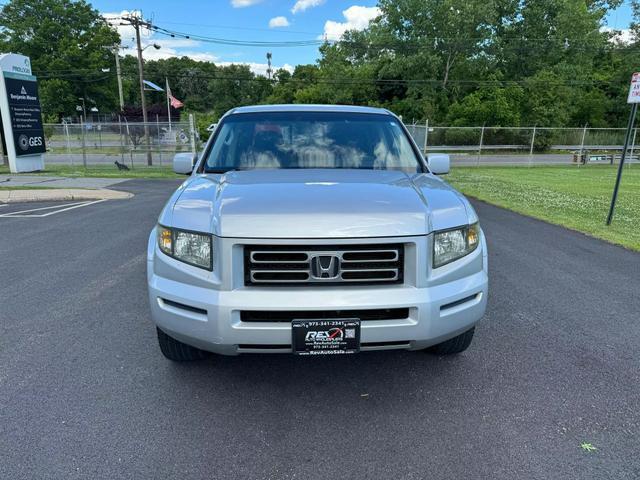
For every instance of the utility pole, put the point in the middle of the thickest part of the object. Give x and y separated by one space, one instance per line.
115 49
119 74
136 22
144 102
269 69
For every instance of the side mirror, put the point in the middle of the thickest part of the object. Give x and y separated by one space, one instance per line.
439 163
183 163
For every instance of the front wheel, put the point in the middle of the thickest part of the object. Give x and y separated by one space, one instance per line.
454 345
178 351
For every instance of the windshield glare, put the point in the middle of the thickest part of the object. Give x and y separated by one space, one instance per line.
311 140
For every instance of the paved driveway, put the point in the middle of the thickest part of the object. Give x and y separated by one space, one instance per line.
85 392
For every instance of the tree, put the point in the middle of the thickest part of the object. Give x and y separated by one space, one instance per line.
492 105
446 33
66 41
474 62
635 24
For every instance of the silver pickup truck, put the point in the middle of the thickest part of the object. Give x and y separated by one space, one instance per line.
314 230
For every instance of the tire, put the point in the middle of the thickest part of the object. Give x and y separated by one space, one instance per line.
454 345
178 351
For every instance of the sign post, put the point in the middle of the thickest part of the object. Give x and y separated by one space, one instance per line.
633 99
20 113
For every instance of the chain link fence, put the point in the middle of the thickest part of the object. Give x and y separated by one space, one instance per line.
526 145
99 144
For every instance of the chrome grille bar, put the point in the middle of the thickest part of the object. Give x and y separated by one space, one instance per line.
298 265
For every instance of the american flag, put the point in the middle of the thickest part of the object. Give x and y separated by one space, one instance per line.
175 103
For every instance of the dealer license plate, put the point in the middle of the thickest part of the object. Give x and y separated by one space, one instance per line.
325 337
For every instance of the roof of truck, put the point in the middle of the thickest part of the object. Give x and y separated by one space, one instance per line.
308 108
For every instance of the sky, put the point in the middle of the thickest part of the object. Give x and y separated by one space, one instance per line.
256 20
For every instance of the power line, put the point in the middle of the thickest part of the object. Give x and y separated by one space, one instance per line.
235 27
484 43
347 81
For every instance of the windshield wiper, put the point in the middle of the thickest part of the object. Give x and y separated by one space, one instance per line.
219 170
227 170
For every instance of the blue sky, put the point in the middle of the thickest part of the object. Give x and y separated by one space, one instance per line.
260 20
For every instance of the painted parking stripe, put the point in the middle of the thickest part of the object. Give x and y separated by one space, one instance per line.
71 208
55 208
50 207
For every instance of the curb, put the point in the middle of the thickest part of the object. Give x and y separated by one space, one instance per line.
58 194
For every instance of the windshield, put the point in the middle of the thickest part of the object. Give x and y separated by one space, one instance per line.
311 140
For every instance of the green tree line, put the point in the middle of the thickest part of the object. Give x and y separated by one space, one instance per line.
455 62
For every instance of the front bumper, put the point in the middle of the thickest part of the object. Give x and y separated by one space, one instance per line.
203 309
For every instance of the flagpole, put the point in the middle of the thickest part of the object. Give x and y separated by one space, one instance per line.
168 102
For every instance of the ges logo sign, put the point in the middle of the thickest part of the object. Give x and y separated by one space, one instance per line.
28 142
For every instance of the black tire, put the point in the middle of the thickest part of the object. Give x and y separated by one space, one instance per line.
178 351
454 345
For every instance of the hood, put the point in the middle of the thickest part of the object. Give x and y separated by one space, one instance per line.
316 203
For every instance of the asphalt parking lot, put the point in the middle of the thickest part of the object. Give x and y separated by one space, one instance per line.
85 392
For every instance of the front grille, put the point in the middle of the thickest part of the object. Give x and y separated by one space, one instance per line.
290 315
280 265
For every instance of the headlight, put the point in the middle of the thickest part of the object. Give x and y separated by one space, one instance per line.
451 245
188 247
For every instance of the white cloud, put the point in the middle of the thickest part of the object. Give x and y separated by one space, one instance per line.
302 5
276 22
621 36
164 53
243 3
357 18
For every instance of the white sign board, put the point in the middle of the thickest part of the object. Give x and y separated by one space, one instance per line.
634 90
20 114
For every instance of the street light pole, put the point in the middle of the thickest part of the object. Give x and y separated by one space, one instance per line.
84 108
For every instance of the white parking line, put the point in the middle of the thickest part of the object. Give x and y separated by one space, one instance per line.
61 208
50 207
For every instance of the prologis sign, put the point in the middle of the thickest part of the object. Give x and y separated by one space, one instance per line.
17 64
21 115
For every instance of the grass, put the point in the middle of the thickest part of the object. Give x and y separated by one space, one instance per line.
574 197
103 171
